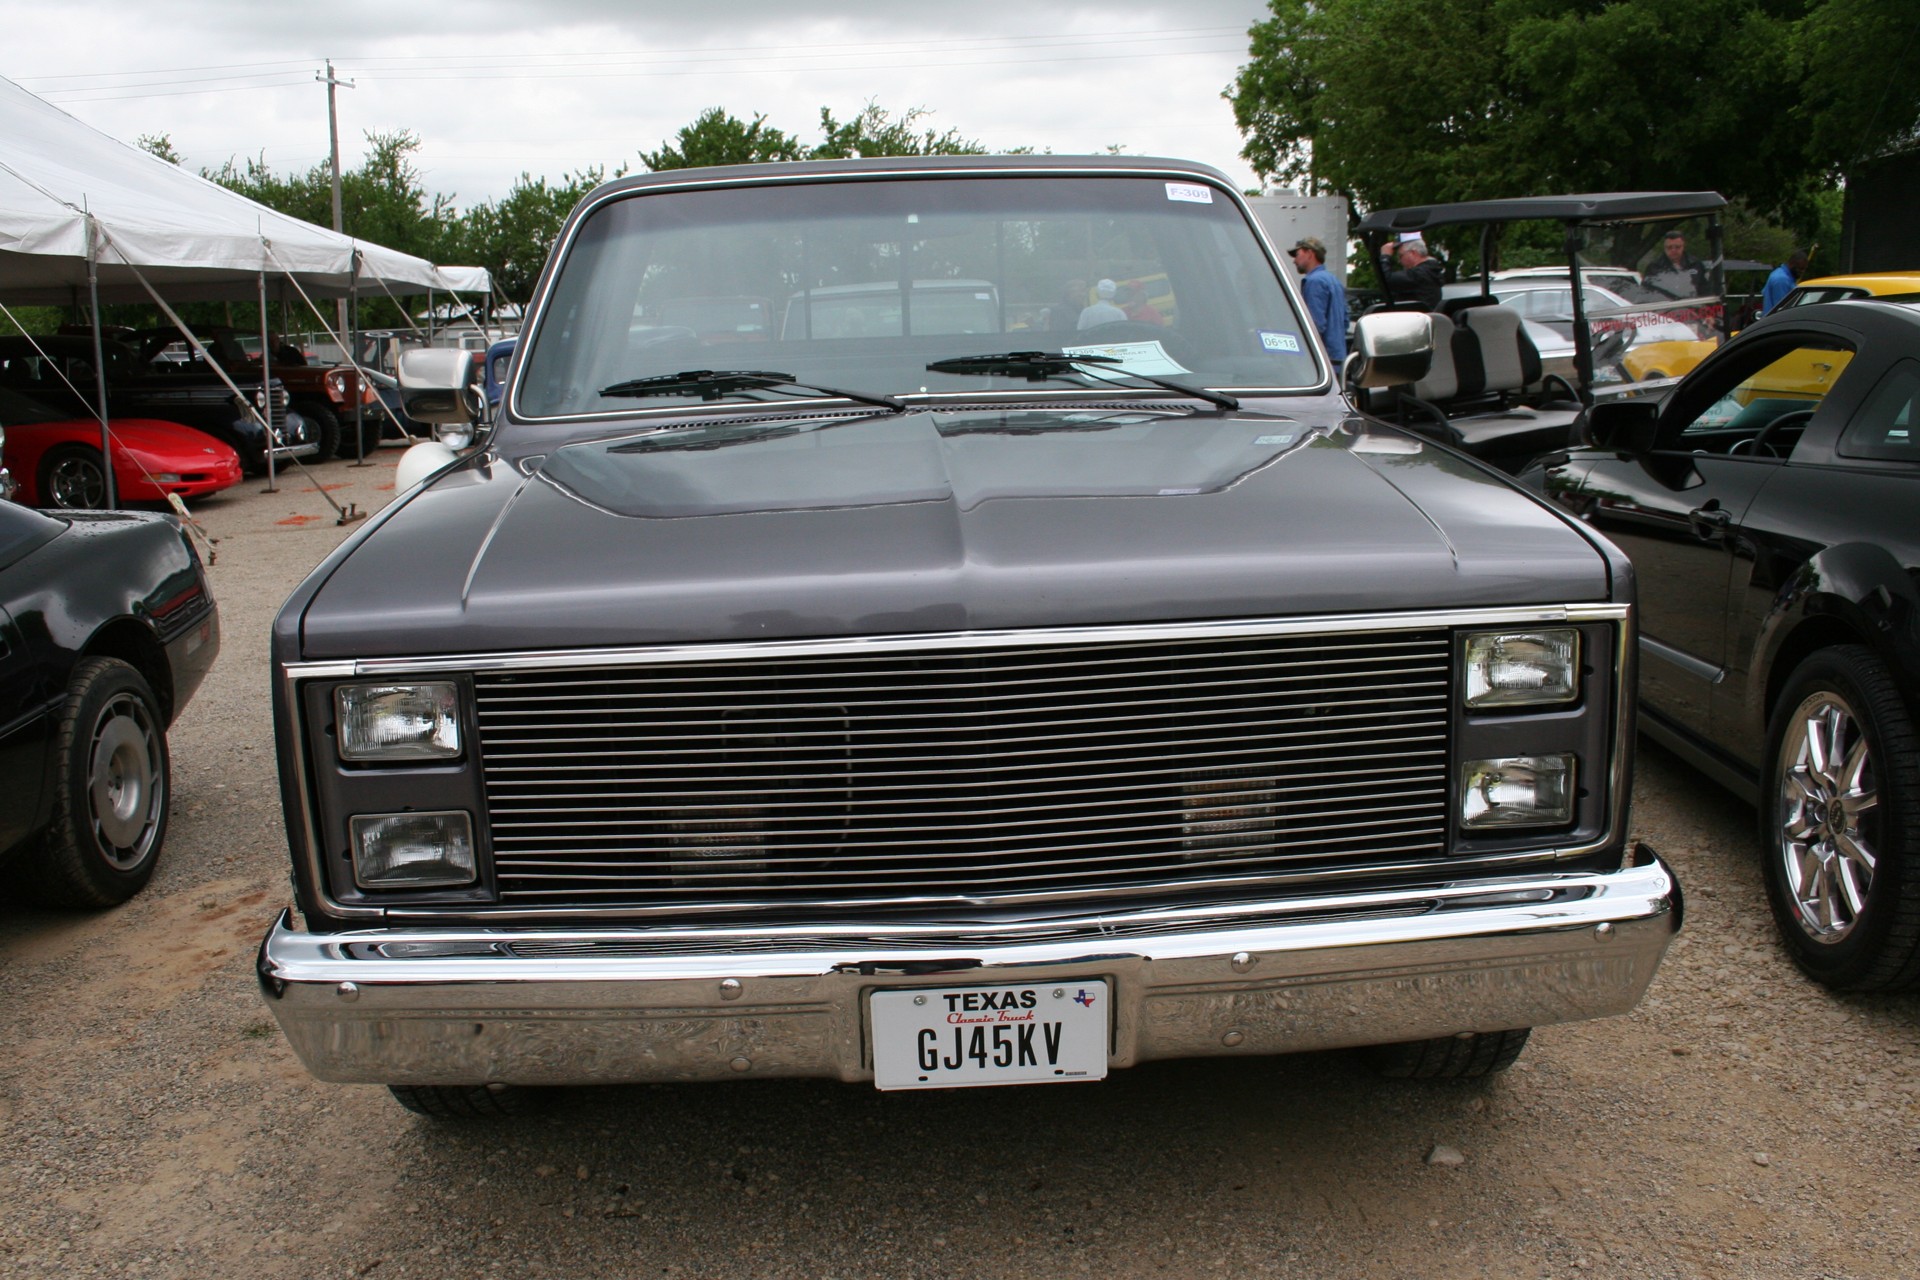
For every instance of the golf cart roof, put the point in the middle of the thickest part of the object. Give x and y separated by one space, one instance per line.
1617 206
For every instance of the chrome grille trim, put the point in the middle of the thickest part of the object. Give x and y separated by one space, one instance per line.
704 757
1293 879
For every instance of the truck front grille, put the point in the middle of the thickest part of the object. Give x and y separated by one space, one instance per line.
949 776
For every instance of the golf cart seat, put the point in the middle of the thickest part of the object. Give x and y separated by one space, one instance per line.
1483 363
1509 362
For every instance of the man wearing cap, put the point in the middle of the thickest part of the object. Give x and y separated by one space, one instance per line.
1102 310
1325 297
1420 275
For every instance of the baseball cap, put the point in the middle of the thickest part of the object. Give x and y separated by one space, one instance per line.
1105 289
1314 243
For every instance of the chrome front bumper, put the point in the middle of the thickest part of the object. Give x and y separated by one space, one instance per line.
415 1005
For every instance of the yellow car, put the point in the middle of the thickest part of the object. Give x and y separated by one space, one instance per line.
1808 374
1871 284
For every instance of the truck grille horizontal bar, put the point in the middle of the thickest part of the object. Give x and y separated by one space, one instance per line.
965 774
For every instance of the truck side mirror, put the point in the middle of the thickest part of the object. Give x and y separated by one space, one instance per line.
436 385
1393 348
1624 426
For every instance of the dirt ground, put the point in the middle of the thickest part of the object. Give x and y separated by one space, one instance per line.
1741 1123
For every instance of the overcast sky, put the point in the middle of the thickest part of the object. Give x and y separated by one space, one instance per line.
497 87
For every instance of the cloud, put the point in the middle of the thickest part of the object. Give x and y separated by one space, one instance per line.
495 89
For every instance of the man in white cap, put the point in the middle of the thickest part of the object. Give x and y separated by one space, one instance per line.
1102 311
1420 275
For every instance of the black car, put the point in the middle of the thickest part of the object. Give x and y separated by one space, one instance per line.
1771 507
107 627
908 694
59 370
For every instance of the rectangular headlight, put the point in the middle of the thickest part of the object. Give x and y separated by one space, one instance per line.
1517 791
398 721
412 850
1522 668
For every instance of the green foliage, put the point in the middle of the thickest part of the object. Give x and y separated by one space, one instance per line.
874 132
158 144
1859 91
1398 102
382 201
35 320
715 137
511 237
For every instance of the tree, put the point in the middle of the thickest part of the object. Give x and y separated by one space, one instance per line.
1416 101
874 132
158 144
511 237
716 137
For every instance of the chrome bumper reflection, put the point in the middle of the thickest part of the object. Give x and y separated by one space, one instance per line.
418 1005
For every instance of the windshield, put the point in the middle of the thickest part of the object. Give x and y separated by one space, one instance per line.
18 410
861 284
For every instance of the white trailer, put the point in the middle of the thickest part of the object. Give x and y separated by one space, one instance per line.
1285 217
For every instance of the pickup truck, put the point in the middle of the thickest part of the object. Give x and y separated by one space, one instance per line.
938 707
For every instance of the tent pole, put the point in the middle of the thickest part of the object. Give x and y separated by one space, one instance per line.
266 386
100 363
351 331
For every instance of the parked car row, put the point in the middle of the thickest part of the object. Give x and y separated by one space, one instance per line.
59 371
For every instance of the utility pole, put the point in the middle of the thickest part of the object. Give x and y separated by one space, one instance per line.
333 151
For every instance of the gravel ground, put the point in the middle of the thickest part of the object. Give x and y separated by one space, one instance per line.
1740 1123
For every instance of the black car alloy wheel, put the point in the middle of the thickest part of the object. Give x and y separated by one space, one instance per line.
1843 867
112 784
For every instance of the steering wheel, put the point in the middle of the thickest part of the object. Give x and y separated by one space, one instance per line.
1547 384
1763 443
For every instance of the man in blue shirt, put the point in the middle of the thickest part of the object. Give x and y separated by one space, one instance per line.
1325 296
1781 282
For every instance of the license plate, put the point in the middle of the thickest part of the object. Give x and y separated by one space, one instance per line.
951 1037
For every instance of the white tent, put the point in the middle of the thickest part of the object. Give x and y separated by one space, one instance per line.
62 181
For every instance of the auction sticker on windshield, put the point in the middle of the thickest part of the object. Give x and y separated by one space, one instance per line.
1134 357
953 1037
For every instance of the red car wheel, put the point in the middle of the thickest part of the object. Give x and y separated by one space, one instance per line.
72 478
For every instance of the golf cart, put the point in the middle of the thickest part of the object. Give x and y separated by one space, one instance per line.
1518 355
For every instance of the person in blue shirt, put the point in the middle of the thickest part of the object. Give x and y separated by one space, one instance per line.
1325 296
1781 282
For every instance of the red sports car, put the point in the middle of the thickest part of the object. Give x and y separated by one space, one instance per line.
55 459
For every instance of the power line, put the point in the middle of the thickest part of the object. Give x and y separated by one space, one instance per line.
113 86
782 48
86 95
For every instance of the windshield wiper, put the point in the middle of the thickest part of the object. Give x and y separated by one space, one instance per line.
1038 366
1034 366
712 384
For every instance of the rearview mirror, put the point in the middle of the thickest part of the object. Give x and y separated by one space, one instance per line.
436 385
1393 348
1625 426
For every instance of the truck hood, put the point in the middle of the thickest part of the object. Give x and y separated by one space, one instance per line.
931 522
